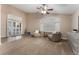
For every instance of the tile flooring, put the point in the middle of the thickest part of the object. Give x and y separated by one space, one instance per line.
34 46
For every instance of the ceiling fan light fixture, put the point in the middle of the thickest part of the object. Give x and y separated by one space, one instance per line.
43 12
44 9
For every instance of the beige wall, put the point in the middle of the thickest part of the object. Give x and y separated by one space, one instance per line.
0 24
34 22
75 20
31 21
7 9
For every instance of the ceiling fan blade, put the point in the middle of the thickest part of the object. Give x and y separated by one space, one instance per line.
47 13
39 8
49 9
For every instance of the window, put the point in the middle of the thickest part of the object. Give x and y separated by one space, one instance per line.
50 25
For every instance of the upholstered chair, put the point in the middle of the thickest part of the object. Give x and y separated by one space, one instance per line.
55 37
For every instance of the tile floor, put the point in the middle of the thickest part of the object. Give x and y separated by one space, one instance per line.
34 46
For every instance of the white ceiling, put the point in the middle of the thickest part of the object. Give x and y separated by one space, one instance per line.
58 8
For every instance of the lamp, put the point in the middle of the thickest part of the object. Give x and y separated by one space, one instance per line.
37 31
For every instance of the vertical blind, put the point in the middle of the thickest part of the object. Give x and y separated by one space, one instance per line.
50 25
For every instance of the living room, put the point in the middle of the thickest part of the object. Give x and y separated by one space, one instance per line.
61 20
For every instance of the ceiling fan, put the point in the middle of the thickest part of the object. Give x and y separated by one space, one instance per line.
44 9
